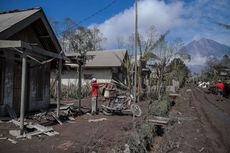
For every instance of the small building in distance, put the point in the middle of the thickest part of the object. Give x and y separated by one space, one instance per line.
105 65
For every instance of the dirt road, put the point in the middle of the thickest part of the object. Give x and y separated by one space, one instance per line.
202 124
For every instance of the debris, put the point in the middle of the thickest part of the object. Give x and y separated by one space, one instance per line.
17 123
3 138
174 95
97 120
39 130
14 133
12 141
127 149
159 120
56 118
188 90
71 118
202 149
72 122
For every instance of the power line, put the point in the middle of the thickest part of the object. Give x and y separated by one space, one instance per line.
90 16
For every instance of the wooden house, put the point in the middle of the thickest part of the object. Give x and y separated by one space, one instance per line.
28 50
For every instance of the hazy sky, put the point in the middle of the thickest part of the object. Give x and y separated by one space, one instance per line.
188 19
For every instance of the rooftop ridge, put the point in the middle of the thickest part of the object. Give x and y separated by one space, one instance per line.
19 10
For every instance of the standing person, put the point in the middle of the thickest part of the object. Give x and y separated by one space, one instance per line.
220 89
95 87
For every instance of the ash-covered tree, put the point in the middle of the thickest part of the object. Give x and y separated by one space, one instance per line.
80 39
177 70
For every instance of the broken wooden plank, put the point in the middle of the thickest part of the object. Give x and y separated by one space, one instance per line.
53 133
41 128
97 120
12 141
17 123
161 118
3 138
10 43
56 118
155 121
174 95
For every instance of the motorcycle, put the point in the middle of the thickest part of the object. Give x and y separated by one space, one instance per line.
121 105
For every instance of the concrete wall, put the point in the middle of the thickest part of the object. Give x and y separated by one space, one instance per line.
71 76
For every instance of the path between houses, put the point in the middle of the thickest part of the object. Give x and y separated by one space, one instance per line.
205 127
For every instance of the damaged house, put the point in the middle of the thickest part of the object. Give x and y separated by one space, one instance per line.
104 65
27 44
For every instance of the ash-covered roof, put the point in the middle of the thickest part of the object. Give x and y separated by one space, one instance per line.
12 22
104 58
10 18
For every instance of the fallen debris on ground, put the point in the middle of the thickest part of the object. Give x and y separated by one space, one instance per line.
97 120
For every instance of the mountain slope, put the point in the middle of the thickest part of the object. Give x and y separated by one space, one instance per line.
201 49
207 47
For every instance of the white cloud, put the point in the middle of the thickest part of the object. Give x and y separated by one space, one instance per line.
151 12
189 21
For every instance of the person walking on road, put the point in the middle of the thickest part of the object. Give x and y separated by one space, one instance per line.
220 89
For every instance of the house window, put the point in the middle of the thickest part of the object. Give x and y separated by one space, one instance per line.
1 81
88 76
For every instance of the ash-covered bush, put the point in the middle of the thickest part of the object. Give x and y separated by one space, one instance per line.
160 107
141 139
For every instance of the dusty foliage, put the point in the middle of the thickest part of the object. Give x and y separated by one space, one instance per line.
141 139
72 91
160 108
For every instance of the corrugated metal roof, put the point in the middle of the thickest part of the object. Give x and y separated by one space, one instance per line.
104 58
8 19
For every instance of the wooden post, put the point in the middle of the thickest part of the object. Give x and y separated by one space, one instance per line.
23 86
135 64
59 86
79 87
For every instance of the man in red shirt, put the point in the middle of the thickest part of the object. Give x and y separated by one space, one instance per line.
95 87
220 88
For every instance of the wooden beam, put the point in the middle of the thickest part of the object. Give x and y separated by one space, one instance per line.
30 49
10 43
47 36
44 52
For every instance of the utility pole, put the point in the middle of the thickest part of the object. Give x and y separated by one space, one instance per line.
135 64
